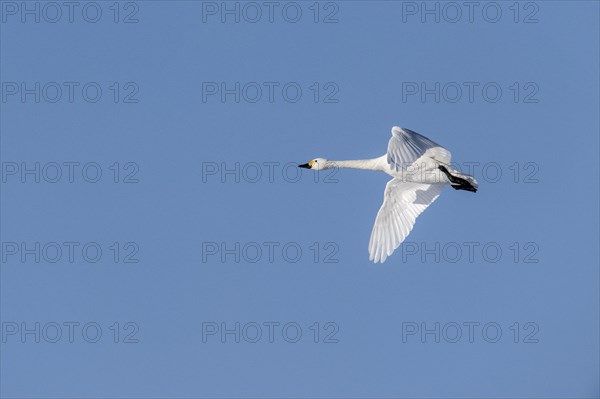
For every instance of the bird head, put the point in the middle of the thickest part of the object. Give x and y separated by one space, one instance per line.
317 164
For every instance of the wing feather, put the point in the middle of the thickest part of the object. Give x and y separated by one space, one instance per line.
402 203
405 147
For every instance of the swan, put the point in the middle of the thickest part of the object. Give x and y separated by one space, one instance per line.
420 168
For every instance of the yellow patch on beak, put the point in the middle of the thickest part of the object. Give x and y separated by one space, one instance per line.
311 163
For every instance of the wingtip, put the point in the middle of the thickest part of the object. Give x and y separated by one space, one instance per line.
374 258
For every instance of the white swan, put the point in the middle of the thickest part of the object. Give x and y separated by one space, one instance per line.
420 169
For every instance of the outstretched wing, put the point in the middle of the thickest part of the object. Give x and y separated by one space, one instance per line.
402 204
406 146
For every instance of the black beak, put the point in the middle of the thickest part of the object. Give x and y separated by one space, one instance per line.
305 166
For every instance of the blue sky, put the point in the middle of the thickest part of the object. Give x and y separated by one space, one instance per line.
152 215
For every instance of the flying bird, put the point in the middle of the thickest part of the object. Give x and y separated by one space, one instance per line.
420 168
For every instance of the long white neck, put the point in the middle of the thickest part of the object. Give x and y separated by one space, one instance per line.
364 164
